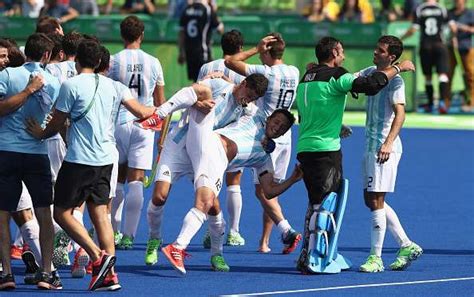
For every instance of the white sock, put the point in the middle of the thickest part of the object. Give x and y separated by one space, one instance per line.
234 206
133 207
30 233
217 230
395 227
154 215
18 238
283 226
377 234
117 208
191 224
184 98
79 216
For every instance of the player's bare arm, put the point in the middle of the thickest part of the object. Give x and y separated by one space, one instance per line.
204 101
386 148
273 189
53 127
14 102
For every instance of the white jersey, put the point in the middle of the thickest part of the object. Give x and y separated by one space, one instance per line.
282 83
218 65
226 108
139 71
247 133
62 70
380 113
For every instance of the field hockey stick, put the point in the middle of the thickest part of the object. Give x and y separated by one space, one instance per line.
148 180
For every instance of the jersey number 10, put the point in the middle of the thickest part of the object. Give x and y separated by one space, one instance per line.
283 101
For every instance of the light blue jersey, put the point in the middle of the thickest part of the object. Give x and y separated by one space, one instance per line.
139 71
62 70
226 109
247 133
282 83
380 113
218 65
90 139
13 133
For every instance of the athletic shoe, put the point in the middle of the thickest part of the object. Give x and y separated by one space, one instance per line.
81 259
31 268
126 243
373 264
405 256
218 264
61 249
442 109
428 108
15 252
235 239
176 257
206 241
110 283
89 267
290 241
153 122
117 238
7 282
100 268
49 281
151 254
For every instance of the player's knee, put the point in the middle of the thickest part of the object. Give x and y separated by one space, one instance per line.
159 198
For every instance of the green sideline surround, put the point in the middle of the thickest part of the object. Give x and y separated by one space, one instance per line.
161 35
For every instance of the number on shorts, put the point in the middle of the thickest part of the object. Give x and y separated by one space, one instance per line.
192 29
136 84
431 26
369 183
283 101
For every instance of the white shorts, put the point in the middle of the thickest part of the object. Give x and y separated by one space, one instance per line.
135 146
25 199
377 177
174 161
280 159
56 153
113 179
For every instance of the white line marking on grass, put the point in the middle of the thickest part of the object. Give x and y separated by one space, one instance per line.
356 286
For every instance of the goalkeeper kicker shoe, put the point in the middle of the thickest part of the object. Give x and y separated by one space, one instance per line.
405 256
373 264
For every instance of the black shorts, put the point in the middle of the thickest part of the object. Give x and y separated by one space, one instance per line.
194 62
77 183
434 55
34 170
322 173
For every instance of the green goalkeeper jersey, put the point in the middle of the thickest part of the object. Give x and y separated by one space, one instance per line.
321 98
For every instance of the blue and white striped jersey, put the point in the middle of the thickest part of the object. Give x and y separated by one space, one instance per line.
247 133
380 113
62 70
282 83
218 65
139 71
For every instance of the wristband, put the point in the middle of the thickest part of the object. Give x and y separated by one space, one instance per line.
396 68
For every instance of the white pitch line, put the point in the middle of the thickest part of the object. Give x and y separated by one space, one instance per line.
356 286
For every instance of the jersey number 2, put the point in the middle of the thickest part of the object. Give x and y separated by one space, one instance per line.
136 84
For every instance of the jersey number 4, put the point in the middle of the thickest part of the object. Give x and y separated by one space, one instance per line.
136 83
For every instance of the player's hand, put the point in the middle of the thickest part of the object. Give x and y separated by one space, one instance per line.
205 106
346 131
34 128
35 83
263 44
406 66
384 153
297 173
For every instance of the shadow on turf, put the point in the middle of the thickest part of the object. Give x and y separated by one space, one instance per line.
425 251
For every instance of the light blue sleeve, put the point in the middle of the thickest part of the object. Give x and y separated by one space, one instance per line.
217 85
202 72
397 91
66 98
4 79
251 69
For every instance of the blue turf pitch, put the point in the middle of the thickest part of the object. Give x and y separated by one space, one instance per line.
434 199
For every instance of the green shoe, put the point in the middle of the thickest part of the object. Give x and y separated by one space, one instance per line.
373 264
234 239
218 264
405 256
117 238
151 254
126 243
206 241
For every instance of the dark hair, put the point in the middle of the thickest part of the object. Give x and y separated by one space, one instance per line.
10 41
36 45
257 82
5 43
47 25
131 28
324 47
16 57
58 44
395 45
88 54
104 60
277 46
232 42
345 7
71 42
289 116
